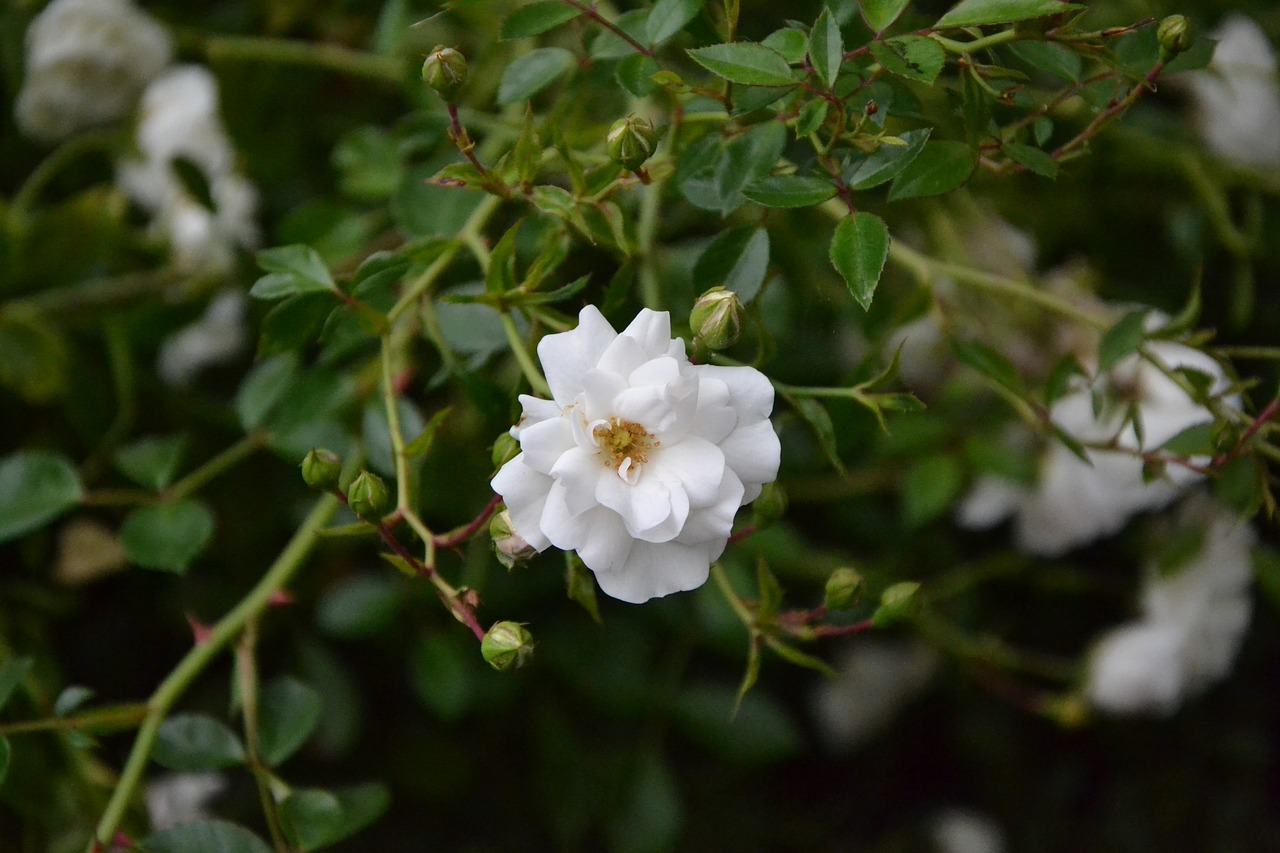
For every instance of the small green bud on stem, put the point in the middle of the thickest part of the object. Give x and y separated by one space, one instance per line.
716 319
510 547
1174 36
505 448
631 141
507 645
898 602
445 70
320 468
770 506
368 497
844 589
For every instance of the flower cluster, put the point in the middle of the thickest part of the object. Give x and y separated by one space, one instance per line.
641 459
1193 621
1075 501
87 61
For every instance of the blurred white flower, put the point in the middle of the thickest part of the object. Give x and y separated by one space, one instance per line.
86 62
178 798
966 831
641 459
218 335
1074 502
180 121
1237 98
875 680
1192 622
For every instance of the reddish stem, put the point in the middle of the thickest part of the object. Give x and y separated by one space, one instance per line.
589 9
456 537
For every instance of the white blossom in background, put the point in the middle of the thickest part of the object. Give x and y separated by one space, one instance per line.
86 62
641 459
1237 98
220 334
180 120
875 680
1075 502
958 830
1192 622
178 798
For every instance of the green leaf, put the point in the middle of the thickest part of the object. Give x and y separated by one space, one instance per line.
501 275
929 488
580 585
811 117
826 47
152 462
789 191
1032 158
738 259
533 72
669 17
886 162
1195 440
168 536
288 712
33 355
421 445
368 163
858 251
5 755
940 167
609 46
11 675
790 42
819 420
196 742
35 487
291 270
987 361
879 14
745 62
360 606
635 74
263 388
977 13
313 818
1122 340
204 836
71 698
913 57
1050 57
711 174
537 18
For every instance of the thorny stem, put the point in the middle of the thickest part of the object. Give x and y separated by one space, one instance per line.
456 537
247 681
102 719
589 10
199 657
466 146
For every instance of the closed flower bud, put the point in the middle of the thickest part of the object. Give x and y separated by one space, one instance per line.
320 468
510 546
716 319
770 506
1174 36
507 645
445 70
896 603
505 449
631 141
844 589
367 496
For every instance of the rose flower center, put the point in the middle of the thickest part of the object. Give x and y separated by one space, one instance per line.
625 446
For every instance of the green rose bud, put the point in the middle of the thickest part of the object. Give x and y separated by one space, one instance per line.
507 645
844 589
445 70
770 506
320 468
505 449
896 603
367 496
716 319
631 141
1174 36
510 546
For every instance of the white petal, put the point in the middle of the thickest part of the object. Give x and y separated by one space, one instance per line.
579 471
698 465
652 330
665 410
750 391
598 534
989 502
753 453
654 508
715 418
600 388
654 570
623 356
713 523
1137 669
567 356
544 442
524 491
536 409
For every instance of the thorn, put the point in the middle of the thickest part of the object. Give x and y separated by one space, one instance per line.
199 631
281 598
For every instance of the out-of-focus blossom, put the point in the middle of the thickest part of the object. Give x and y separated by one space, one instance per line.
86 62
1237 98
1193 619
178 798
180 121
87 550
218 335
875 680
1075 502
965 831
641 459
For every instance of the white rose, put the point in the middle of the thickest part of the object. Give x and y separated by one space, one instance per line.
641 459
